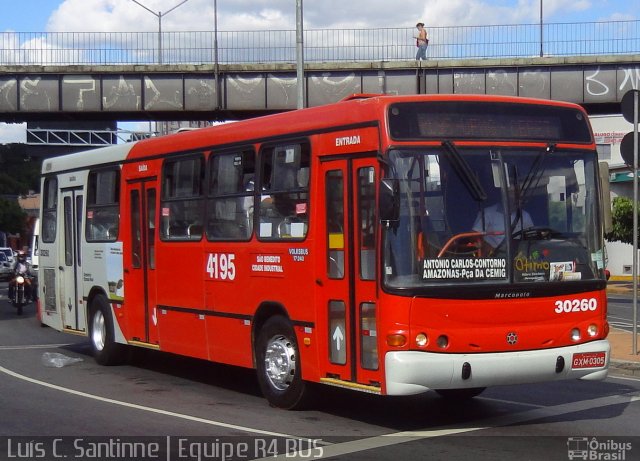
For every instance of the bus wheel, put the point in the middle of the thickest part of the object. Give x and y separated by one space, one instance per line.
278 365
460 394
105 350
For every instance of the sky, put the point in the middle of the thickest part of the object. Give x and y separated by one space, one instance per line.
238 15
235 15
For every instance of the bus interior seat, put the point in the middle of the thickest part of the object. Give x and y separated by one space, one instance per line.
194 230
112 232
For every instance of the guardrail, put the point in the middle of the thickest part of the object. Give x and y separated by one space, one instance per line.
279 46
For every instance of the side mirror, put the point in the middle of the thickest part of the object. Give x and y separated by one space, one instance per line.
389 199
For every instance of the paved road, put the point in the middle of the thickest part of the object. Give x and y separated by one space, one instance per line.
621 311
196 408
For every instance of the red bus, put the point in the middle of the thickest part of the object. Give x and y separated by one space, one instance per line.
386 244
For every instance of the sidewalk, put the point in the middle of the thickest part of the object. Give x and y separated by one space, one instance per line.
622 359
620 286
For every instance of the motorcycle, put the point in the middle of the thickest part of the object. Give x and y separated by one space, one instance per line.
20 293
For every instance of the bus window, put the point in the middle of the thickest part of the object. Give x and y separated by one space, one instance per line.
136 236
103 199
284 205
368 334
181 204
367 221
68 232
335 224
231 196
151 227
49 210
78 230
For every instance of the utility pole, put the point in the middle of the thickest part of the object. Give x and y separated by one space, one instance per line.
216 64
541 31
159 15
299 54
630 150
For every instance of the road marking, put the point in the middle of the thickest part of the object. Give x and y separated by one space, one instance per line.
624 378
621 325
148 409
32 346
513 402
396 438
330 450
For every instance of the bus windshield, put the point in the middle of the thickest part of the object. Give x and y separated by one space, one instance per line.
493 216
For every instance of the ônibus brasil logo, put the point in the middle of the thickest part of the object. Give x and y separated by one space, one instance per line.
593 449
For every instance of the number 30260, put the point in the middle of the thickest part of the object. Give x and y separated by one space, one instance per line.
576 305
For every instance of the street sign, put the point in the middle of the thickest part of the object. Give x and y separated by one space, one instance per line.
626 148
628 103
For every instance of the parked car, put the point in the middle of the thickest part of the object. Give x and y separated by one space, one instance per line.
9 253
6 268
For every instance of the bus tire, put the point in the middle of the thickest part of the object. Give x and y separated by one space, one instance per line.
460 394
101 333
278 365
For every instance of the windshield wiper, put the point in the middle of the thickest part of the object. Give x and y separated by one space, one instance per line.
465 172
535 173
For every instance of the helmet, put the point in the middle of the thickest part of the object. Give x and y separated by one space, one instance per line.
22 256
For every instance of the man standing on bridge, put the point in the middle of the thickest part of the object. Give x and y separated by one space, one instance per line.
422 41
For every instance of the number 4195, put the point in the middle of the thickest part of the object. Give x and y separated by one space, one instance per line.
221 266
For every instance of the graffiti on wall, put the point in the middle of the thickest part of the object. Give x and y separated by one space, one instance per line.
130 92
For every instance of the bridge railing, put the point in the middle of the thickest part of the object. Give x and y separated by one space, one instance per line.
279 46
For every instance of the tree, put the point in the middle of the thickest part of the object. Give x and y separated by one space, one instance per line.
19 173
622 215
12 218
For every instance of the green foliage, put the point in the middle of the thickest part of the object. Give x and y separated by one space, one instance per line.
622 214
19 173
12 218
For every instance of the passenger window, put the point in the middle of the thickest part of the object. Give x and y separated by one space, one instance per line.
182 197
103 204
230 201
284 194
49 210
367 221
334 194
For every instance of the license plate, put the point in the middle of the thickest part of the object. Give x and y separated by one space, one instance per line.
588 360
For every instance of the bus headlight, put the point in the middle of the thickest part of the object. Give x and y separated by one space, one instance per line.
592 330
422 339
575 334
442 341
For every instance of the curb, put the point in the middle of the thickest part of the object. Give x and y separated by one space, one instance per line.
624 368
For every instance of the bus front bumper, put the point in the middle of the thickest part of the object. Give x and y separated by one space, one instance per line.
414 372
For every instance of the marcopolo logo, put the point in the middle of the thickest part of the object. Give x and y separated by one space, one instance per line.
593 449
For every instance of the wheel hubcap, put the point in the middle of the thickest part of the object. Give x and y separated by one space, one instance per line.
98 331
280 362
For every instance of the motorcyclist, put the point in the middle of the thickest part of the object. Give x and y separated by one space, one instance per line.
21 268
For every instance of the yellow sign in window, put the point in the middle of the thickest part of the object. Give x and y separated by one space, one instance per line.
336 241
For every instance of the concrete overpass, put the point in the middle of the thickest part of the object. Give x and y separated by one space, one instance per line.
231 91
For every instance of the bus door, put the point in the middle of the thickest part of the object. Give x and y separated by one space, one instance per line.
347 280
139 261
70 262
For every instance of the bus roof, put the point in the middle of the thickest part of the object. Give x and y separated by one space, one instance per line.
80 160
354 110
